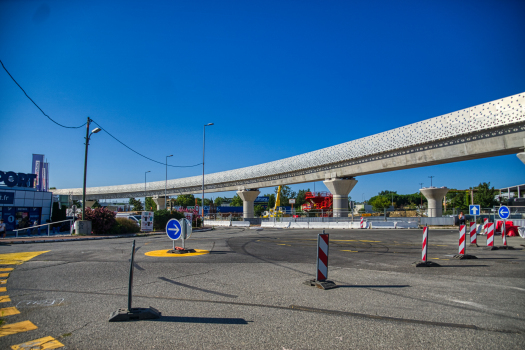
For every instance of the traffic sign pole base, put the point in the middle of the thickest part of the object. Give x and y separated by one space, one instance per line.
491 248
465 256
321 284
506 247
134 314
426 264
474 245
179 250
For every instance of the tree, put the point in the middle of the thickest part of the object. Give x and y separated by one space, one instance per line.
380 203
150 204
218 201
186 200
300 198
137 205
484 196
236 201
258 210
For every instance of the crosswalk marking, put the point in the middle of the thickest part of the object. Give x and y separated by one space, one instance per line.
4 274
18 258
18 327
8 311
6 269
45 343
4 298
3 281
3 289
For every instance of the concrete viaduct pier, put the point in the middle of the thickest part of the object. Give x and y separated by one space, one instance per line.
434 197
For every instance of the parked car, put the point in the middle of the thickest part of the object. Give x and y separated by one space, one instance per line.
133 217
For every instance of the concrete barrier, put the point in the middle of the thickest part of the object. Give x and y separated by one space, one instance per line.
217 223
299 225
338 225
383 224
282 225
318 225
358 225
267 224
241 223
407 224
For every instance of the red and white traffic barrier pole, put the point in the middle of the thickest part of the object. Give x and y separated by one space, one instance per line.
322 257
485 225
462 239
473 235
425 247
490 234
361 224
322 264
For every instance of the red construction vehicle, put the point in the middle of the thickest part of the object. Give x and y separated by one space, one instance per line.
320 201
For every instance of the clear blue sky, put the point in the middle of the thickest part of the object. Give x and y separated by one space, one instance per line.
278 78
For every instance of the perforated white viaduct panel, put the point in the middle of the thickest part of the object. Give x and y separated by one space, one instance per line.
502 112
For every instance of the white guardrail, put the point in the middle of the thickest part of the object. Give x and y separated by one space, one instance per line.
37 227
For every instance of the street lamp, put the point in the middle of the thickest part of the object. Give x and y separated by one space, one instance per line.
149 171
203 144
166 184
88 136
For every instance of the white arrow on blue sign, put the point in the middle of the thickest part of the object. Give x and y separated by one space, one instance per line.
173 229
474 209
503 212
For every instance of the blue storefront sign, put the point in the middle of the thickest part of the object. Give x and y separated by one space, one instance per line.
7 197
262 200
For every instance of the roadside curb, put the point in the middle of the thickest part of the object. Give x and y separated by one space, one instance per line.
81 238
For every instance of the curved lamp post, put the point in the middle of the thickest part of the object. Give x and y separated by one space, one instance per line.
203 144
88 136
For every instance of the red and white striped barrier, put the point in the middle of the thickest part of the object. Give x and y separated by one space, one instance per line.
462 239
425 239
485 225
322 256
490 234
361 223
473 235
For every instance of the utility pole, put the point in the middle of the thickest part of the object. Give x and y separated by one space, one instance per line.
431 180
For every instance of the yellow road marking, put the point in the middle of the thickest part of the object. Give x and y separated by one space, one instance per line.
18 327
3 289
441 245
6 269
8 311
18 258
343 240
4 298
4 274
45 343
351 251
3 281
164 253
289 245
439 259
363 240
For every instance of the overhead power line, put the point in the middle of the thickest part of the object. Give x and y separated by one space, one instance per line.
107 132
30 99
131 149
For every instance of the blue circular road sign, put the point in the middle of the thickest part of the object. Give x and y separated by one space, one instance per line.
173 229
503 212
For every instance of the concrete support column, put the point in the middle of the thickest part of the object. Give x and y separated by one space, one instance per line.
521 156
434 197
160 201
248 196
340 188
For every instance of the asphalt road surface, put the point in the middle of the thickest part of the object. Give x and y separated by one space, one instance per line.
249 292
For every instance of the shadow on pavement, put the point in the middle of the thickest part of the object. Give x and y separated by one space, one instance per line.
371 286
197 288
216 320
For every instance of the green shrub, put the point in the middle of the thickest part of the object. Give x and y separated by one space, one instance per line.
127 225
161 218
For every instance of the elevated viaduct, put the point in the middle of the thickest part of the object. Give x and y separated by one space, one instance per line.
490 129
